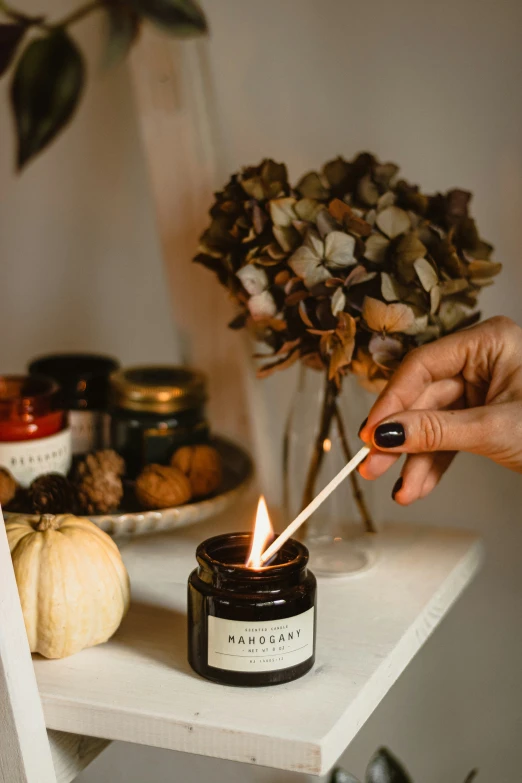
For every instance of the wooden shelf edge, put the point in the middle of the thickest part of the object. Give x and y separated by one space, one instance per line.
435 610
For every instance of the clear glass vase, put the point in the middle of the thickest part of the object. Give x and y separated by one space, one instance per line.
320 438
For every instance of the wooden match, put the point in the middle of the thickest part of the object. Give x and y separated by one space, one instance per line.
314 505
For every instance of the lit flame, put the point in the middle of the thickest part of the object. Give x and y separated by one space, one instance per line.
263 533
327 444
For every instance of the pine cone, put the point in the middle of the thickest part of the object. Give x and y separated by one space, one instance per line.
52 494
8 487
98 481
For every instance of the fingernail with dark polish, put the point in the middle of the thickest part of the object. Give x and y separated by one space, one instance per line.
363 425
397 486
389 435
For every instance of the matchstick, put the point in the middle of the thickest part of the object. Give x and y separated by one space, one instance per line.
316 502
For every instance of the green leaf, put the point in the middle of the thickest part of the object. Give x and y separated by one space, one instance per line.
182 18
10 37
123 29
384 768
45 91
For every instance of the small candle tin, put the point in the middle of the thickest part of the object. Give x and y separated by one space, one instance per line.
246 626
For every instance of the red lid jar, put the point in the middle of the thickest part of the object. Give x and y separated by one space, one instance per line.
27 408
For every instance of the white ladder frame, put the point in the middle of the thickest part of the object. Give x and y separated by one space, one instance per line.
28 752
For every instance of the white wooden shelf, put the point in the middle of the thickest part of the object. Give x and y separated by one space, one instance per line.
139 687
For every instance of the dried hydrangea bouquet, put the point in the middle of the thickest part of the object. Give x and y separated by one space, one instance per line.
345 272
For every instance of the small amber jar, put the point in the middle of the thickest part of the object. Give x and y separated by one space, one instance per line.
154 411
246 626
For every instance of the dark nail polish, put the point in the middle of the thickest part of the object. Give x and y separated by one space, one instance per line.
397 486
363 425
389 435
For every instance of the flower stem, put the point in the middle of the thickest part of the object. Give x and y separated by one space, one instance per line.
354 479
316 460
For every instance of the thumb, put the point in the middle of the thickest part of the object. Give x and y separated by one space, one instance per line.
472 429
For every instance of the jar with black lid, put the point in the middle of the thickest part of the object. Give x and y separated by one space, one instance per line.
83 379
247 626
154 411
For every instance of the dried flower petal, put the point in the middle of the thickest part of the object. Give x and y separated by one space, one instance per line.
386 351
304 314
435 297
426 273
483 269
311 186
262 306
393 221
390 289
385 318
358 275
307 209
287 236
450 287
339 249
368 191
282 211
376 247
281 364
347 216
338 301
254 280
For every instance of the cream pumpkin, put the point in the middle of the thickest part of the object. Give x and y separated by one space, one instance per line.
73 585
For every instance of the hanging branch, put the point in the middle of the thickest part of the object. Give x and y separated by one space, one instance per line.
49 72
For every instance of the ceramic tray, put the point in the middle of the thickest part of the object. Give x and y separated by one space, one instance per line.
237 473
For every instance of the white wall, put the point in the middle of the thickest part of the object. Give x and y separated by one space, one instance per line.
433 87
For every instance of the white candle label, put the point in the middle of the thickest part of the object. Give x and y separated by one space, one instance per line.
260 647
27 459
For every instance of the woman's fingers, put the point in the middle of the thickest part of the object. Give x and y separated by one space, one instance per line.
421 473
377 463
440 394
471 353
494 431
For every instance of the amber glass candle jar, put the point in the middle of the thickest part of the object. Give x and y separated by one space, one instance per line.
27 408
248 626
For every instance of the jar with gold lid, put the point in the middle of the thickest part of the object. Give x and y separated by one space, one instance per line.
155 410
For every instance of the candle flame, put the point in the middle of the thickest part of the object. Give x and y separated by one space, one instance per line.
327 444
263 532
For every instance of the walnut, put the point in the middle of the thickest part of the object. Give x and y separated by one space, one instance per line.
8 487
202 466
160 486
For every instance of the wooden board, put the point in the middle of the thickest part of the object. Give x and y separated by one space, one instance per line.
174 105
139 687
25 755
28 753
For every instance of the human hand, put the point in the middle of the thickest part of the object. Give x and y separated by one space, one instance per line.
460 393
